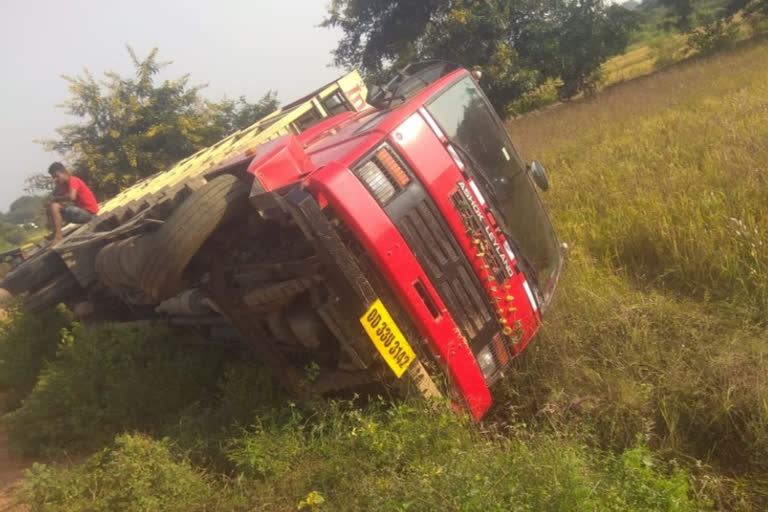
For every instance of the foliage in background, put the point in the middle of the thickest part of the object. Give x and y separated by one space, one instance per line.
681 13
27 209
519 44
134 127
25 215
11 235
711 25
712 34
39 184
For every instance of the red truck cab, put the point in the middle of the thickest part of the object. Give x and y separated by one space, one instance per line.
424 197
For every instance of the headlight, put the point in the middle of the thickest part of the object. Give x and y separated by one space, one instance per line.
486 362
377 182
383 175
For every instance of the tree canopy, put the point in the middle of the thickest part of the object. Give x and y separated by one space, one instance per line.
132 127
27 209
519 44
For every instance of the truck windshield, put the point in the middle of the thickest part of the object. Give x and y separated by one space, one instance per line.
468 121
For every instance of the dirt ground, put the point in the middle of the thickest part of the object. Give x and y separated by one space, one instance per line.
11 472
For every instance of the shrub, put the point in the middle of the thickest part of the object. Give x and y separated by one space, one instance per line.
244 392
395 457
545 95
110 379
137 474
713 35
388 457
665 51
26 343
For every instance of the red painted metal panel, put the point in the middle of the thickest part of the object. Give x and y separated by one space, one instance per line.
280 162
381 239
428 158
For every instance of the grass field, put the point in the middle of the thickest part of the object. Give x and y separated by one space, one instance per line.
660 326
646 390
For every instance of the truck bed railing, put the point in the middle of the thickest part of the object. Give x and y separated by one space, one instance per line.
347 93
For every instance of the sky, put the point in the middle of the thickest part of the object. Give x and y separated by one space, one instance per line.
237 47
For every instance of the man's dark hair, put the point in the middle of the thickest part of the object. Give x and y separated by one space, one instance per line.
56 167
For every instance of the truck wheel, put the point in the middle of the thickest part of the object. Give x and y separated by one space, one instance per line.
61 288
34 273
118 264
189 226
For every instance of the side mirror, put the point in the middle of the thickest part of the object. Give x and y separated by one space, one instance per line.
539 174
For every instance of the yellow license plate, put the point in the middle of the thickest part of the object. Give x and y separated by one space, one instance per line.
387 338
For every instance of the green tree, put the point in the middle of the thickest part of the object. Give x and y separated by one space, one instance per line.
10 235
27 209
750 9
228 115
133 127
578 36
519 44
680 13
38 184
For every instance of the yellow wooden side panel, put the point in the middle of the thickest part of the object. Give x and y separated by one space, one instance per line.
272 126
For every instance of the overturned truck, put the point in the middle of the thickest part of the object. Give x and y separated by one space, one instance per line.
384 235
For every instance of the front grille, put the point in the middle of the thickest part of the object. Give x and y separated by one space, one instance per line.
437 250
439 254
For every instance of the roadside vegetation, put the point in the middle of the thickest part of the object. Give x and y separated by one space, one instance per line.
646 390
140 419
660 323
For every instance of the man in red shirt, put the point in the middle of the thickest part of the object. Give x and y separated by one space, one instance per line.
72 202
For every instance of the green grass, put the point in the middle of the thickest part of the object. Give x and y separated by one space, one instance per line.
386 457
660 323
647 389
199 431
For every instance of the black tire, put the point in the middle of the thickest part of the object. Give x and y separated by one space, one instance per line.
61 288
180 237
34 273
118 264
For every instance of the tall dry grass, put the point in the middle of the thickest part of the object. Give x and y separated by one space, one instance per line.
664 178
660 325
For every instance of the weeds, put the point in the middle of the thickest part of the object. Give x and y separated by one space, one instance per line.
108 380
136 474
389 457
27 343
646 390
713 35
659 326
